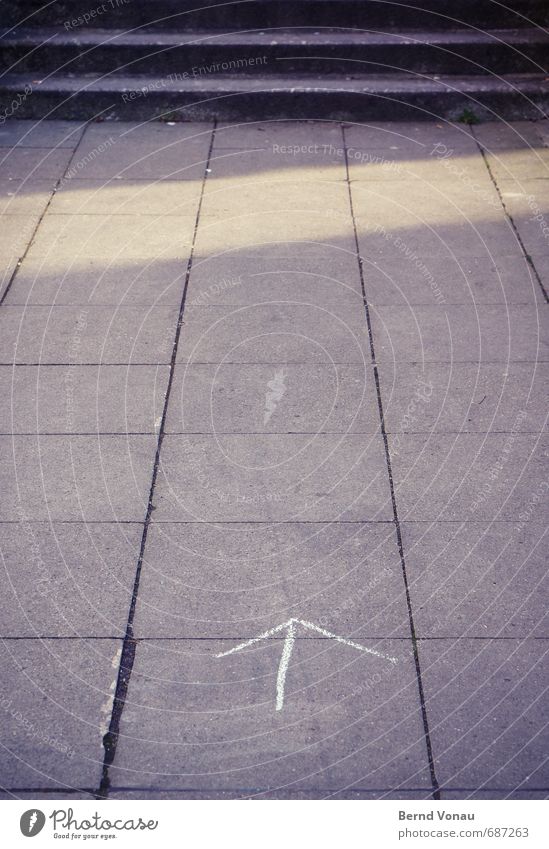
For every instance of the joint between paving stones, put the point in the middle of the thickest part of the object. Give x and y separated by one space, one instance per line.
509 217
425 721
110 739
41 218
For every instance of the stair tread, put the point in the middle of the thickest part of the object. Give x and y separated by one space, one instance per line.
297 36
225 83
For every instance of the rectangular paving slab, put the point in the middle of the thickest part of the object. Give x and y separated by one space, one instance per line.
97 281
318 275
299 163
477 579
101 478
463 397
24 197
265 134
82 399
276 477
277 333
67 579
239 580
87 334
252 231
468 476
116 238
513 166
460 333
528 206
15 236
55 706
410 137
143 151
41 134
486 711
246 398
29 163
127 197
399 280
386 231
349 719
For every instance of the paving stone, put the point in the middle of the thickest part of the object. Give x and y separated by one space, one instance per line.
41 134
222 730
542 129
263 134
239 581
80 478
541 264
116 238
26 163
305 795
529 209
295 162
57 697
477 579
446 198
462 166
257 195
82 399
272 478
464 397
247 544
254 231
458 280
416 239
127 197
67 579
483 795
65 334
467 476
241 399
486 714
321 275
83 280
24 198
143 151
407 136
15 235
390 226
485 334
39 793
513 166
501 135
276 332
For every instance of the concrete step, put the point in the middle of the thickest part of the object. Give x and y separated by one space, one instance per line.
73 15
279 51
247 97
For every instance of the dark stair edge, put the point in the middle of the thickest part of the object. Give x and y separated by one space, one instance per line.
387 99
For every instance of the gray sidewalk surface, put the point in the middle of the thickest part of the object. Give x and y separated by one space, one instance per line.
277 374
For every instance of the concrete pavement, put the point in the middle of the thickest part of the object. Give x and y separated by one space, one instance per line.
271 373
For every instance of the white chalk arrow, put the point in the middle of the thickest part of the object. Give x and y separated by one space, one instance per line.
291 627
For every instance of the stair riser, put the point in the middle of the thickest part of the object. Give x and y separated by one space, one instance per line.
183 14
200 59
299 105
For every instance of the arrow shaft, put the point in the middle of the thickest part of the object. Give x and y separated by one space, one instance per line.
291 629
283 666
